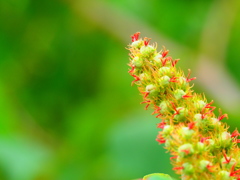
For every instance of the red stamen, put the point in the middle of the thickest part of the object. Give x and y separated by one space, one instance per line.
160 139
157 111
131 70
165 52
234 173
174 157
186 96
164 60
147 104
236 140
210 168
175 109
161 125
146 41
208 105
173 79
136 79
135 36
222 116
146 107
191 125
178 168
235 133
203 139
175 62
209 112
186 151
226 158
189 73
146 95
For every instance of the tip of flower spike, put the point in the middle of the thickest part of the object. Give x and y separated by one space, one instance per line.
135 36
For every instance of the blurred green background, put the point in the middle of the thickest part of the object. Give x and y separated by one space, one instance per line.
68 111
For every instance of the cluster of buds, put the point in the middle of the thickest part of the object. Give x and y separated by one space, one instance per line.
199 142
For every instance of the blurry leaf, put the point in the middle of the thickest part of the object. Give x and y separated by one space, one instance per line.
21 158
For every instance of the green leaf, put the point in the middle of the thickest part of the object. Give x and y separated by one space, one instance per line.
157 176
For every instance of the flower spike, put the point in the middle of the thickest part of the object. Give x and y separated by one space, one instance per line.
197 138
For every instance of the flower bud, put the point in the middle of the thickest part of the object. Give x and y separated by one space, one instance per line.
210 142
157 58
144 77
150 88
224 175
225 139
164 71
137 44
186 132
199 105
147 51
198 119
168 143
167 130
228 163
164 107
164 80
183 82
215 121
187 168
181 114
137 62
203 164
185 150
200 147
178 94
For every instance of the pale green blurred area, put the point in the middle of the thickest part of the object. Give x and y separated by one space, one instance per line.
68 111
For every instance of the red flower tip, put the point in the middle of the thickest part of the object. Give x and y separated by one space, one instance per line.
174 157
191 125
165 52
203 139
234 173
235 133
173 79
135 36
157 111
148 104
222 116
175 109
136 79
189 73
164 61
236 140
210 168
160 139
132 69
186 151
146 41
186 96
226 158
161 125
178 168
175 62
209 105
